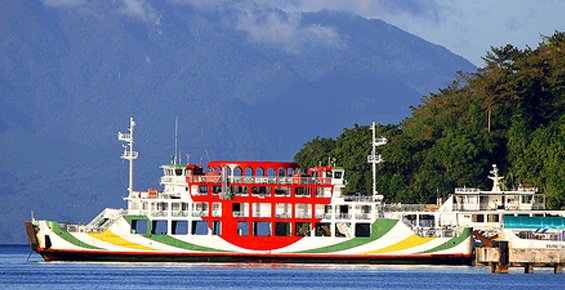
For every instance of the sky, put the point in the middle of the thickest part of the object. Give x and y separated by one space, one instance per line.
466 27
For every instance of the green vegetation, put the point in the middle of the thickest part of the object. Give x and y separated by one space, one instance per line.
510 112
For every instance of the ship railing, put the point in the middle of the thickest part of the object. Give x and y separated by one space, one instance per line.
200 213
303 215
435 232
160 213
216 213
323 215
261 215
343 216
256 180
239 214
74 228
467 190
358 198
283 215
179 213
405 207
363 216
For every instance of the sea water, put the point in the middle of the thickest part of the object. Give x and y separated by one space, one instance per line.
22 269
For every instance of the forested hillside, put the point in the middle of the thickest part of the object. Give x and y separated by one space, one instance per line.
510 112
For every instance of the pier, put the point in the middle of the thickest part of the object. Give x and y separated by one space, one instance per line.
500 258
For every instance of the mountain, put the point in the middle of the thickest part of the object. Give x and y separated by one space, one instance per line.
246 82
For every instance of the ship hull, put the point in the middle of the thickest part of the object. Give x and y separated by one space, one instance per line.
104 256
391 242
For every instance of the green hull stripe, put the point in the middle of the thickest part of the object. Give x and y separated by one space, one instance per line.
168 240
68 237
451 243
378 229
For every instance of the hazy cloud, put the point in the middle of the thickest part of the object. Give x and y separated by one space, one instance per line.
139 9
208 5
266 23
62 3
368 8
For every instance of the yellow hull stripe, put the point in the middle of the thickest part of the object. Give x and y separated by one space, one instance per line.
410 242
109 237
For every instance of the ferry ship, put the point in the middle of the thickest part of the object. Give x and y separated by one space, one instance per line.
252 211
517 216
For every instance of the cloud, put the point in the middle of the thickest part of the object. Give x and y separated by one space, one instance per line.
368 8
265 23
285 30
139 9
62 3
206 5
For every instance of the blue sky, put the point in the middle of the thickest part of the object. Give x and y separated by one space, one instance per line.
466 27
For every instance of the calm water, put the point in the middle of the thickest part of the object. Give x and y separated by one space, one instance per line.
19 272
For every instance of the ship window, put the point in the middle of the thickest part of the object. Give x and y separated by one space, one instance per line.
216 228
239 190
270 172
261 210
323 211
323 230
139 227
303 229
260 172
179 227
248 171
409 220
526 199
239 210
260 190
203 189
328 174
282 229
261 229
283 210
199 209
216 189
282 191
338 174
302 191
178 172
242 228
343 230
199 228
216 209
363 230
237 171
493 218
303 210
159 227
282 172
478 218
427 221
363 211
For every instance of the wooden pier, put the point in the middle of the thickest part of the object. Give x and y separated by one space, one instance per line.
501 258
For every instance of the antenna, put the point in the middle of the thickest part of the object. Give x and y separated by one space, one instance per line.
175 160
129 154
375 159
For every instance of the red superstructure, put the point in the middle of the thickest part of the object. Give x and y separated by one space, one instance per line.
260 205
